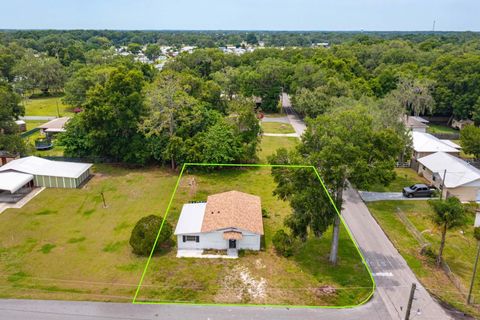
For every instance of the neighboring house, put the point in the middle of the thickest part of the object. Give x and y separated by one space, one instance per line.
54 126
229 220
415 124
461 179
47 173
425 144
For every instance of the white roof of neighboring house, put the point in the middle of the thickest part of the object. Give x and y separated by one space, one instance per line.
412 122
451 144
19 122
43 167
458 173
191 218
55 125
425 142
14 181
420 119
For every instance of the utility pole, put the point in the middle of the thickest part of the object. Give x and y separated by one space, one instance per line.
410 301
103 198
433 29
443 184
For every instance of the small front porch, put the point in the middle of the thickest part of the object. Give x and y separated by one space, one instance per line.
206 254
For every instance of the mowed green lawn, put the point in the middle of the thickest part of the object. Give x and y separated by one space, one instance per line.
298 280
405 178
65 245
269 145
438 128
459 252
277 127
46 107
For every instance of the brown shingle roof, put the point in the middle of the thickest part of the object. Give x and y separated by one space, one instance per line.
232 235
233 209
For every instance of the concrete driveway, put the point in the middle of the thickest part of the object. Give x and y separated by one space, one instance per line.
369 196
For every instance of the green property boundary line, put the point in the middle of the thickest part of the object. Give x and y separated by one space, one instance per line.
134 301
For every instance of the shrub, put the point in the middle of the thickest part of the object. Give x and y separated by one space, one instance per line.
476 233
145 232
283 243
265 213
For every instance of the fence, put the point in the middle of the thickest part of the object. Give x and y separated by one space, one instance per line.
447 136
424 244
29 132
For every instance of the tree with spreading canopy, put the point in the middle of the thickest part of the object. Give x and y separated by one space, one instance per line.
347 146
470 140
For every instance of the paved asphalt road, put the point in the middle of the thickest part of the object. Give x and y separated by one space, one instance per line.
392 275
46 118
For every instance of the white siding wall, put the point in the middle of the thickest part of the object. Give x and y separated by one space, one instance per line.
214 240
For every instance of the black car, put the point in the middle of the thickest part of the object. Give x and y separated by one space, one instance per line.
418 190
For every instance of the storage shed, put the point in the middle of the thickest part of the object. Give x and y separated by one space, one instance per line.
50 174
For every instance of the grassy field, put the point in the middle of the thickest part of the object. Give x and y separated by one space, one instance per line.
405 177
298 280
459 252
270 144
32 124
56 151
277 127
438 128
64 245
46 107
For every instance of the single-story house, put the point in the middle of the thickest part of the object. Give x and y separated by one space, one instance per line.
414 124
460 179
48 173
54 126
228 220
425 144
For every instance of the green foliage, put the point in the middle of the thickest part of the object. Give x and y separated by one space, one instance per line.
470 140
10 110
108 127
448 214
312 209
152 51
283 243
457 90
39 72
134 48
145 232
476 233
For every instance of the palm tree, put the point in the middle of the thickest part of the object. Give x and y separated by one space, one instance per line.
449 213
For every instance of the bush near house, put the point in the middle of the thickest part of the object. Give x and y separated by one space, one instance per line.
283 243
145 232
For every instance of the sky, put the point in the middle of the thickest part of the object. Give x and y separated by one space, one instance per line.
368 15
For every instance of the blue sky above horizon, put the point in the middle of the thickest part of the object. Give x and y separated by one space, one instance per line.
384 15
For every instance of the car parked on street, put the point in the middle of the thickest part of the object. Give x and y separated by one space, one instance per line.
418 190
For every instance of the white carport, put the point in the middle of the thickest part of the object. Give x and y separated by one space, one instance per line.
14 181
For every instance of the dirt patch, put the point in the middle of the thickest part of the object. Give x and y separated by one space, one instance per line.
324 290
239 285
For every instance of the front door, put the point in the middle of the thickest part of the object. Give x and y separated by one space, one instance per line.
232 244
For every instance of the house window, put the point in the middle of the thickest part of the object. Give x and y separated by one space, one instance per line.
191 238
